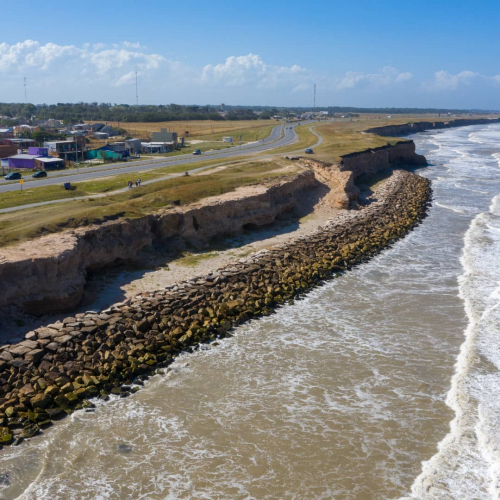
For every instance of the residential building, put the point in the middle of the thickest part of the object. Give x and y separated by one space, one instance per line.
100 135
157 147
82 127
20 143
133 146
6 133
48 163
7 151
38 151
67 150
52 123
109 130
22 160
113 152
164 136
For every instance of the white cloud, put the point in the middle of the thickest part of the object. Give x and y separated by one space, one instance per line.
88 64
386 76
238 71
443 80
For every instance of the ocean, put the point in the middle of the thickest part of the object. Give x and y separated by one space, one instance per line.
382 384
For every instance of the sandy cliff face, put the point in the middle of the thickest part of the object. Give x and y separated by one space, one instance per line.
413 128
341 176
49 275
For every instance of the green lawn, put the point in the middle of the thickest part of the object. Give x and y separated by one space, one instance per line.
26 224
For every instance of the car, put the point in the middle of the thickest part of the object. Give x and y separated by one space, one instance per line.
40 173
309 151
197 152
13 176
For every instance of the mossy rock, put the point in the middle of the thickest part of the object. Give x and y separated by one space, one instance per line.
5 435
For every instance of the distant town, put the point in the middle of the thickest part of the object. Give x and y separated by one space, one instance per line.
52 145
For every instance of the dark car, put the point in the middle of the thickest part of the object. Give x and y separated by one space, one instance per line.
40 173
309 151
13 176
197 152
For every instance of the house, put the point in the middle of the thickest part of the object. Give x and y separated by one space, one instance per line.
48 163
164 136
83 127
75 133
133 146
38 151
157 147
19 143
6 133
113 152
21 129
22 160
96 127
7 151
37 158
110 131
52 123
68 150
100 135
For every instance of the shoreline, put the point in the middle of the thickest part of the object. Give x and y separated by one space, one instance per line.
59 367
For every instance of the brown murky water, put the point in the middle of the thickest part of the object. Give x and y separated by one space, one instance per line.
341 395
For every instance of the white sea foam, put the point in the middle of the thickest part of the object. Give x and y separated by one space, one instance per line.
467 464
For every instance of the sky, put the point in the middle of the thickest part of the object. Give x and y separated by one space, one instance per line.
364 53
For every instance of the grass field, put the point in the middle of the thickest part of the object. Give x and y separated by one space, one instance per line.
98 186
26 224
340 137
201 129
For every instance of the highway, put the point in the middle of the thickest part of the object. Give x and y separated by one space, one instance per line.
274 141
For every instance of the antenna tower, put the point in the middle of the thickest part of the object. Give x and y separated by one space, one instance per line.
136 93
25 95
314 106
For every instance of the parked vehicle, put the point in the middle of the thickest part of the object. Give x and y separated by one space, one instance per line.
13 176
197 152
39 174
309 151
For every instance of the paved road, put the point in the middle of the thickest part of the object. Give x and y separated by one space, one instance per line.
272 142
167 176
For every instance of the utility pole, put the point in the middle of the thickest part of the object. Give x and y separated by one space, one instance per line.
25 95
136 93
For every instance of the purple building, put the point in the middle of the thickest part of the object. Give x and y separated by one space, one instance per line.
22 161
38 151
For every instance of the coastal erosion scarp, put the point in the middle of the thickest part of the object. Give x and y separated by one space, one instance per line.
59 367
413 128
49 274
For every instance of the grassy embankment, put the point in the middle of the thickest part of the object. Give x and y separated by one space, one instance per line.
26 224
341 137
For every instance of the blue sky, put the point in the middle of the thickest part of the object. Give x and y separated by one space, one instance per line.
423 53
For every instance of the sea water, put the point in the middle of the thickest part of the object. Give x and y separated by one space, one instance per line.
384 383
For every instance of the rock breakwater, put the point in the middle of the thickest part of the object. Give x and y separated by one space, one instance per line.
57 368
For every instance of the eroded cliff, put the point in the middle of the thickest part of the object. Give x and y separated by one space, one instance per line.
413 128
49 275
